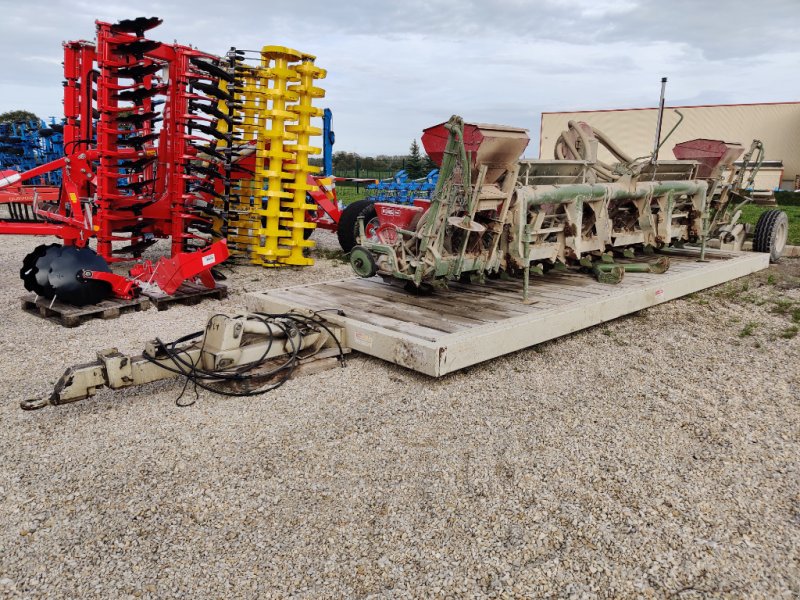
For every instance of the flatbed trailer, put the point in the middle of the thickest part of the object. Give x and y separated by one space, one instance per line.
470 323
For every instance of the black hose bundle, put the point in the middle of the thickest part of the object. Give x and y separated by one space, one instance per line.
242 374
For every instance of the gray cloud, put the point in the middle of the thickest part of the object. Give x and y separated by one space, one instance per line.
397 67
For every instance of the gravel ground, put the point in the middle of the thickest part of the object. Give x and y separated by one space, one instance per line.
655 456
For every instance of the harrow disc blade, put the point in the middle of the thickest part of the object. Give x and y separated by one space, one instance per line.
35 269
138 48
137 141
211 69
213 111
206 171
138 25
212 131
138 72
68 286
28 271
137 165
31 258
212 90
137 95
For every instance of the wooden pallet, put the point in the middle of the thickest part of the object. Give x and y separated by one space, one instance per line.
188 294
72 316
470 323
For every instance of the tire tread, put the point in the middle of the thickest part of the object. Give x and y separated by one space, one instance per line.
763 237
346 229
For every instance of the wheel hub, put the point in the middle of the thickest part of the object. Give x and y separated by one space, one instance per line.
363 262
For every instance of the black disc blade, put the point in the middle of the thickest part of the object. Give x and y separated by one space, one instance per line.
211 69
210 151
137 186
65 278
211 131
137 165
138 94
138 48
28 271
212 90
208 171
31 258
37 279
137 141
138 72
138 25
136 118
210 110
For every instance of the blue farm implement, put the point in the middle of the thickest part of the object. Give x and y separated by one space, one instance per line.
400 189
25 145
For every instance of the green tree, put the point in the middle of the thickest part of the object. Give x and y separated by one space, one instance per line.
429 165
414 165
17 116
345 161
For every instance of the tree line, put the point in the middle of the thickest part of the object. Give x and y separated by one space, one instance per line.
18 116
415 163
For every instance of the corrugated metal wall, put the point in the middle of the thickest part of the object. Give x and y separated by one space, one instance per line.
777 125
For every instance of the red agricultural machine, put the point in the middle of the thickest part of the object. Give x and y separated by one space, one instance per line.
153 150
134 112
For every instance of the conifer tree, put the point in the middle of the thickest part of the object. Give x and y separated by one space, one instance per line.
414 165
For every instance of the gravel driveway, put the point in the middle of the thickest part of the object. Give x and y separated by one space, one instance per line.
654 456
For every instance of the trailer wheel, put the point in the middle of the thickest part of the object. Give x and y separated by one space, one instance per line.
771 233
347 228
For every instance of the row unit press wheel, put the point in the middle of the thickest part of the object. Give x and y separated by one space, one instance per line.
362 261
347 228
772 231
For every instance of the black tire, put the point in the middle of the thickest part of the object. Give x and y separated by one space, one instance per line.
307 233
347 228
771 233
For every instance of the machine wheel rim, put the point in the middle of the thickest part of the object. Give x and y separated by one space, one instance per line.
362 262
371 229
781 235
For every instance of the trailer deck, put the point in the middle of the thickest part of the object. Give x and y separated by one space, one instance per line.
470 323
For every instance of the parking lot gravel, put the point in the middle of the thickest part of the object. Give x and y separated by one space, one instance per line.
655 456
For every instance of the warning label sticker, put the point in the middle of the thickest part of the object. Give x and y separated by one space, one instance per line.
363 339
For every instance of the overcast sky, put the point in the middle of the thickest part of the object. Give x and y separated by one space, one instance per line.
395 68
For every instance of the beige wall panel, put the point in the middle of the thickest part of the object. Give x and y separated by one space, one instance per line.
777 125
